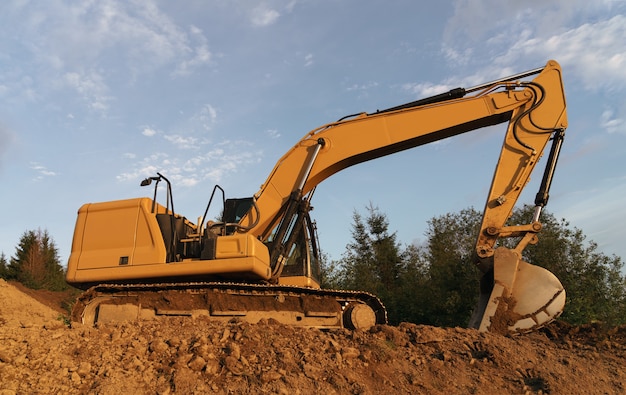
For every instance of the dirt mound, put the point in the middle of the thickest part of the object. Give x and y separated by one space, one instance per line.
39 354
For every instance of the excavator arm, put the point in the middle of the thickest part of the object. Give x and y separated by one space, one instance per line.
535 112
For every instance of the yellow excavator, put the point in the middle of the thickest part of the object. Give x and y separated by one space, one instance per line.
139 259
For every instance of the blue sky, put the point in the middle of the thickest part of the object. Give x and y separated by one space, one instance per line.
97 95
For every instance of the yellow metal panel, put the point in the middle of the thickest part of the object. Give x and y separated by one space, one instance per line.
552 113
240 245
109 231
149 246
237 268
77 244
299 281
231 246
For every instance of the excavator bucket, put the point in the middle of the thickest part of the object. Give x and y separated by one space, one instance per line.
517 297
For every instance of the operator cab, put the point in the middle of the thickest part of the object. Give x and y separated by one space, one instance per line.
297 262
302 265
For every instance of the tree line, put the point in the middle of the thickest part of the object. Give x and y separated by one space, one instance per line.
436 283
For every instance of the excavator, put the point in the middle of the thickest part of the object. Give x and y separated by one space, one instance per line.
137 259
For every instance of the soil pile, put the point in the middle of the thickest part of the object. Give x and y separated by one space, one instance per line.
40 354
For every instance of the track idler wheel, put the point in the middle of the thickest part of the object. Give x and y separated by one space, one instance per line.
359 316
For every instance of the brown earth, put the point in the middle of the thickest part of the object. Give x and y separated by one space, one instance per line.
39 354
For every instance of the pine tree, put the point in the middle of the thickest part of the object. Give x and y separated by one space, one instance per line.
4 270
413 286
452 285
36 262
372 261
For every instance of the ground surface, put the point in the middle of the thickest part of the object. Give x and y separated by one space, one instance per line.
40 354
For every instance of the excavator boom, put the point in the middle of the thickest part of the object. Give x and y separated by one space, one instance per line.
270 239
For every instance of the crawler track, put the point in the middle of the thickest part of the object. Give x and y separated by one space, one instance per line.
223 301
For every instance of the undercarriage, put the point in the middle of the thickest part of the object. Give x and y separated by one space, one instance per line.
288 305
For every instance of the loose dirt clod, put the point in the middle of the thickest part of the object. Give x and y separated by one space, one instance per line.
40 354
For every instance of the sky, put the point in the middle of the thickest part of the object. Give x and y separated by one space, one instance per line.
97 95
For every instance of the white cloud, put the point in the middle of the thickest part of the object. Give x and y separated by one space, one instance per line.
182 142
91 89
534 31
477 21
594 52
362 89
204 118
209 113
7 138
426 89
149 132
147 167
308 60
273 133
84 32
41 171
222 160
611 123
18 85
262 16
199 54
76 43
290 6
